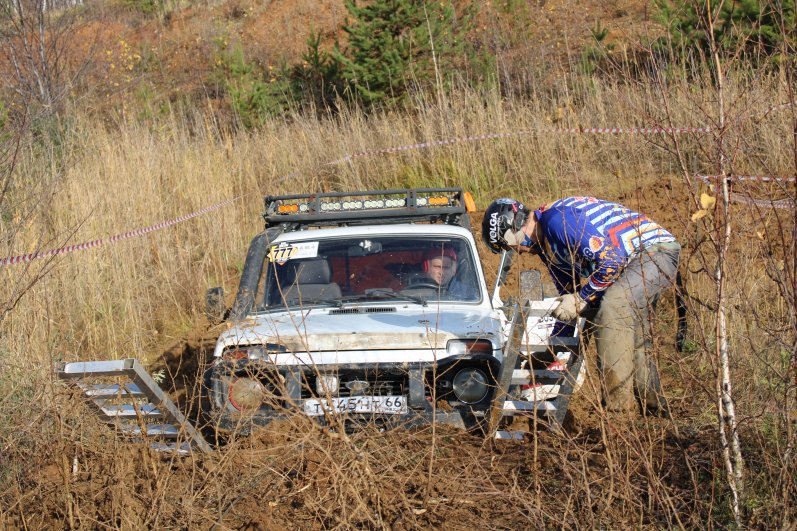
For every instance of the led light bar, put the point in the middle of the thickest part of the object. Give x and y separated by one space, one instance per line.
368 204
431 204
329 206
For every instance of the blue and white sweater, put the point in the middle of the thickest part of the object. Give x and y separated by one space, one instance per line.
585 237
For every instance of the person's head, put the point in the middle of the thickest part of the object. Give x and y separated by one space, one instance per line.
503 224
440 264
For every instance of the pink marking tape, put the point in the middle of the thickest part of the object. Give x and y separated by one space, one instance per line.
764 203
758 178
490 136
20 259
24 258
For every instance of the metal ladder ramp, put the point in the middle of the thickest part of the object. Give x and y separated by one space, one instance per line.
135 404
555 387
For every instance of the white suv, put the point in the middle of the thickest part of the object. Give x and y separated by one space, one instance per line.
361 307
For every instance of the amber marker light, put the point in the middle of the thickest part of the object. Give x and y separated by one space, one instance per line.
438 201
470 204
235 355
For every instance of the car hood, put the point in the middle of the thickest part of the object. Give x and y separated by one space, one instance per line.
352 333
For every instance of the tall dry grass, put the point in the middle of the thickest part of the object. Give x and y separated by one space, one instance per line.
141 297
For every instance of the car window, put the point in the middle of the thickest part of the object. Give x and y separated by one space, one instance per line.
337 271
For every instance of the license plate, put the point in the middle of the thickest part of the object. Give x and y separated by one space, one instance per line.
389 405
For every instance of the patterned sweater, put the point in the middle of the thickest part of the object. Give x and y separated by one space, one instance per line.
585 237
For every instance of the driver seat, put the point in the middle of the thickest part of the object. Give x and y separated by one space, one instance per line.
308 280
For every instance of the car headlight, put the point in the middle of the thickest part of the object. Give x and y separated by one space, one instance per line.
246 394
461 347
236 353
471 385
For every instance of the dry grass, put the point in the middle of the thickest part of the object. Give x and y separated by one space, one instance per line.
142 298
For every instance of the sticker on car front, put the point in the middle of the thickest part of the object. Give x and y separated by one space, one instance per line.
292 251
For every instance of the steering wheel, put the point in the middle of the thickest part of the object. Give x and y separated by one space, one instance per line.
425 283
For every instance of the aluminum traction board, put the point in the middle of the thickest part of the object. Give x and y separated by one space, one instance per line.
135 404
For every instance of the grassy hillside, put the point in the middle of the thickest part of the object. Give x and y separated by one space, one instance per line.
96 173
144 59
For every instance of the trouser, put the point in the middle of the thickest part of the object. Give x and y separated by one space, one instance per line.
622 327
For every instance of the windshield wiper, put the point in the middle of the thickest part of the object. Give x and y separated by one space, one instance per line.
390 294
308 304
383 293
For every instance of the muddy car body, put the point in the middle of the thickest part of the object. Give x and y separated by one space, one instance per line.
362 308
337 315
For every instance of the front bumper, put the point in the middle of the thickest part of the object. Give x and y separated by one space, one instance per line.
290 387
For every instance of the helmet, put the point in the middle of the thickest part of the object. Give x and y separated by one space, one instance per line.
502 220
437 252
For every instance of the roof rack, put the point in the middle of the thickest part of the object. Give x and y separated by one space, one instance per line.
431 205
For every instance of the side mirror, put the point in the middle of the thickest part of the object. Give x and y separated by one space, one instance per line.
214 305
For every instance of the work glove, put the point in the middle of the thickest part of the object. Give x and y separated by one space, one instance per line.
570 307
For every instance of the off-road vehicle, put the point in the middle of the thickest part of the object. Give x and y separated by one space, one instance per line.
363 307
339 315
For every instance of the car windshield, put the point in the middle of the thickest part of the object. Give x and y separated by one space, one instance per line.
348 270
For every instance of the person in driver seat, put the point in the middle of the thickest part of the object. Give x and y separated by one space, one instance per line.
440 265
439 268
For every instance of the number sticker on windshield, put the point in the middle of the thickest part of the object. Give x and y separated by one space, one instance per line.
290 251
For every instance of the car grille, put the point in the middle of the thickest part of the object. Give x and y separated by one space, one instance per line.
380 383
375 309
